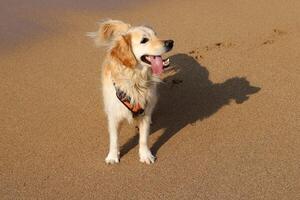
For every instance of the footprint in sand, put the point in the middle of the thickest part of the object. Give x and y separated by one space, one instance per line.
195 54
275 34
268 42
198 53
219 45
279 32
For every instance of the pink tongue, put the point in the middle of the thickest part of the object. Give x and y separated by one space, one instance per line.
156 64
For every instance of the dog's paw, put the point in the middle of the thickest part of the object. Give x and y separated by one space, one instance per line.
146 156
112 159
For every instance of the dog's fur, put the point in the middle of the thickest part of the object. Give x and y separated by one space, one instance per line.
124 67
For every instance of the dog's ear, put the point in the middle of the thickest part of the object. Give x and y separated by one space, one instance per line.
122 51
108 30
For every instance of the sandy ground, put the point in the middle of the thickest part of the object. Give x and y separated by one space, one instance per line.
226 126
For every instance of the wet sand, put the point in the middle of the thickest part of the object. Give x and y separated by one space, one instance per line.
226 125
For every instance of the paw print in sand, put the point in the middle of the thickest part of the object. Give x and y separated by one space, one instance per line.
275 34
198 52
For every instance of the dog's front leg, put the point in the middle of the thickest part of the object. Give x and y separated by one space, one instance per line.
113 155
144 151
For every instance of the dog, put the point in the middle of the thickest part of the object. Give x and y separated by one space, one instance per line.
130 74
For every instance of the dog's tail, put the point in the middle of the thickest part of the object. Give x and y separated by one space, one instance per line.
107 31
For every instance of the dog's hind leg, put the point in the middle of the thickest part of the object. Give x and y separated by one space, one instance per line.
113 155
144 151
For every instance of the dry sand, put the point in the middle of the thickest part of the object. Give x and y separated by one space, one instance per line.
226 126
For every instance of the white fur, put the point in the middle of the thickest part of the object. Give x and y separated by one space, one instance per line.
117 112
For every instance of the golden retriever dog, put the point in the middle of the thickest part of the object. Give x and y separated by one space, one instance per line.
130 74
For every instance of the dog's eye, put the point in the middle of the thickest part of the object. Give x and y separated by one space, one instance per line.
144 40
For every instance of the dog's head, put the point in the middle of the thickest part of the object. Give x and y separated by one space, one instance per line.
134 47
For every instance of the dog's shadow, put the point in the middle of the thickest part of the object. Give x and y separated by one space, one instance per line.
189 96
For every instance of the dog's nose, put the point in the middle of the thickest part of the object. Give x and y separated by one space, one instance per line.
169 44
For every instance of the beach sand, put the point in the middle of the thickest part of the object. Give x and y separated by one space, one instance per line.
226 125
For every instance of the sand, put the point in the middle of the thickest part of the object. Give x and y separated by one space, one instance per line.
226 125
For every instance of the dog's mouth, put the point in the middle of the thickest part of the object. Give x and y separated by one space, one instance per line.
158 64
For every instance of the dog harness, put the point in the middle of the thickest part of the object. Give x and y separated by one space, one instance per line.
135 108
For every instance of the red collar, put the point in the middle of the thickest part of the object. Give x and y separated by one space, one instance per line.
135 108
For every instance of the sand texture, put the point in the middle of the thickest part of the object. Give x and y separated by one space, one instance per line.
226 125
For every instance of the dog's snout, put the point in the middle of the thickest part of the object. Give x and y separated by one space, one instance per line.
169 44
